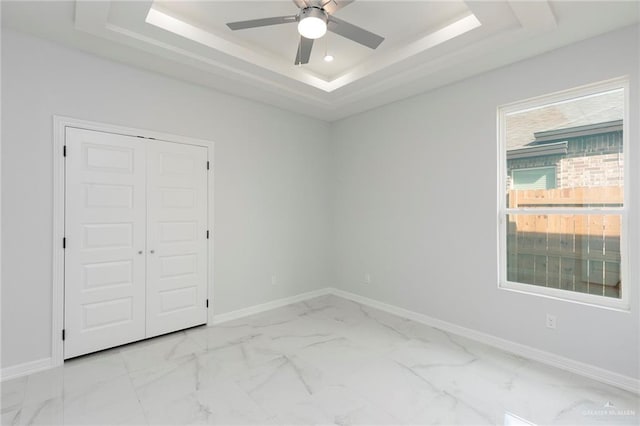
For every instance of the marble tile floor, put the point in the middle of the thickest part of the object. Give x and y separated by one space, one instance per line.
323 361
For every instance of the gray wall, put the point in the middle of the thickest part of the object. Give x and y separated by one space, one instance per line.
415 206
395 187
270 183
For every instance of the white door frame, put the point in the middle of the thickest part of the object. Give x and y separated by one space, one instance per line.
60 123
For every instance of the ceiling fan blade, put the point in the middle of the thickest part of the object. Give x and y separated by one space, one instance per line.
332 6
304 51
241 25
352 32
301 3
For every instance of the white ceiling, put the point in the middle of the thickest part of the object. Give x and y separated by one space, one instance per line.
427 43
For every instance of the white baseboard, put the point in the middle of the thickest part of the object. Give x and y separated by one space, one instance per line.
586 370
31 367
8 373
256 309
605 376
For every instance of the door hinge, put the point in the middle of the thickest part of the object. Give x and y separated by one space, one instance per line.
64 151
63 334
64 242
207 165
207 303
207 234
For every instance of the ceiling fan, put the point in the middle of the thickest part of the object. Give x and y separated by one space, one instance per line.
314 19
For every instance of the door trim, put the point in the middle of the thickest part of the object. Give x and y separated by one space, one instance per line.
60 123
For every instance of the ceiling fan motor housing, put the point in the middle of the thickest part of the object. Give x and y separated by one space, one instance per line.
312 12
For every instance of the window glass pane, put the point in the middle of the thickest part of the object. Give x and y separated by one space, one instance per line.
538 178
571 252
580 140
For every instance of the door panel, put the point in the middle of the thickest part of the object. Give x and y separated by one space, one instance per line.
176 229
105 231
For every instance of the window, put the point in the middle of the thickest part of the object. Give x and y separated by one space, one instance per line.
563 189
537 178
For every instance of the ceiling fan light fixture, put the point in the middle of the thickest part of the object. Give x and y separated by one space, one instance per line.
312 23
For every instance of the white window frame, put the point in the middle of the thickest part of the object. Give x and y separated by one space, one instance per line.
503 210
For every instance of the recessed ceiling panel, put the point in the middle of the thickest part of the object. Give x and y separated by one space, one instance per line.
399 22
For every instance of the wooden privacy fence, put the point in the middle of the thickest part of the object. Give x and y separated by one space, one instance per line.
575 252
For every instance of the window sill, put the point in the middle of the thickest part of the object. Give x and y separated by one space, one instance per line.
590 300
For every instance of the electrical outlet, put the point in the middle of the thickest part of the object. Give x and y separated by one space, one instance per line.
367 278
551 321
274 279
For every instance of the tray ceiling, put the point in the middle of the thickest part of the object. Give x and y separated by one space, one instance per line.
427 43
401 24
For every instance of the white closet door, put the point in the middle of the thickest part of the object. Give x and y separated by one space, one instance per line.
105 241
176 236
